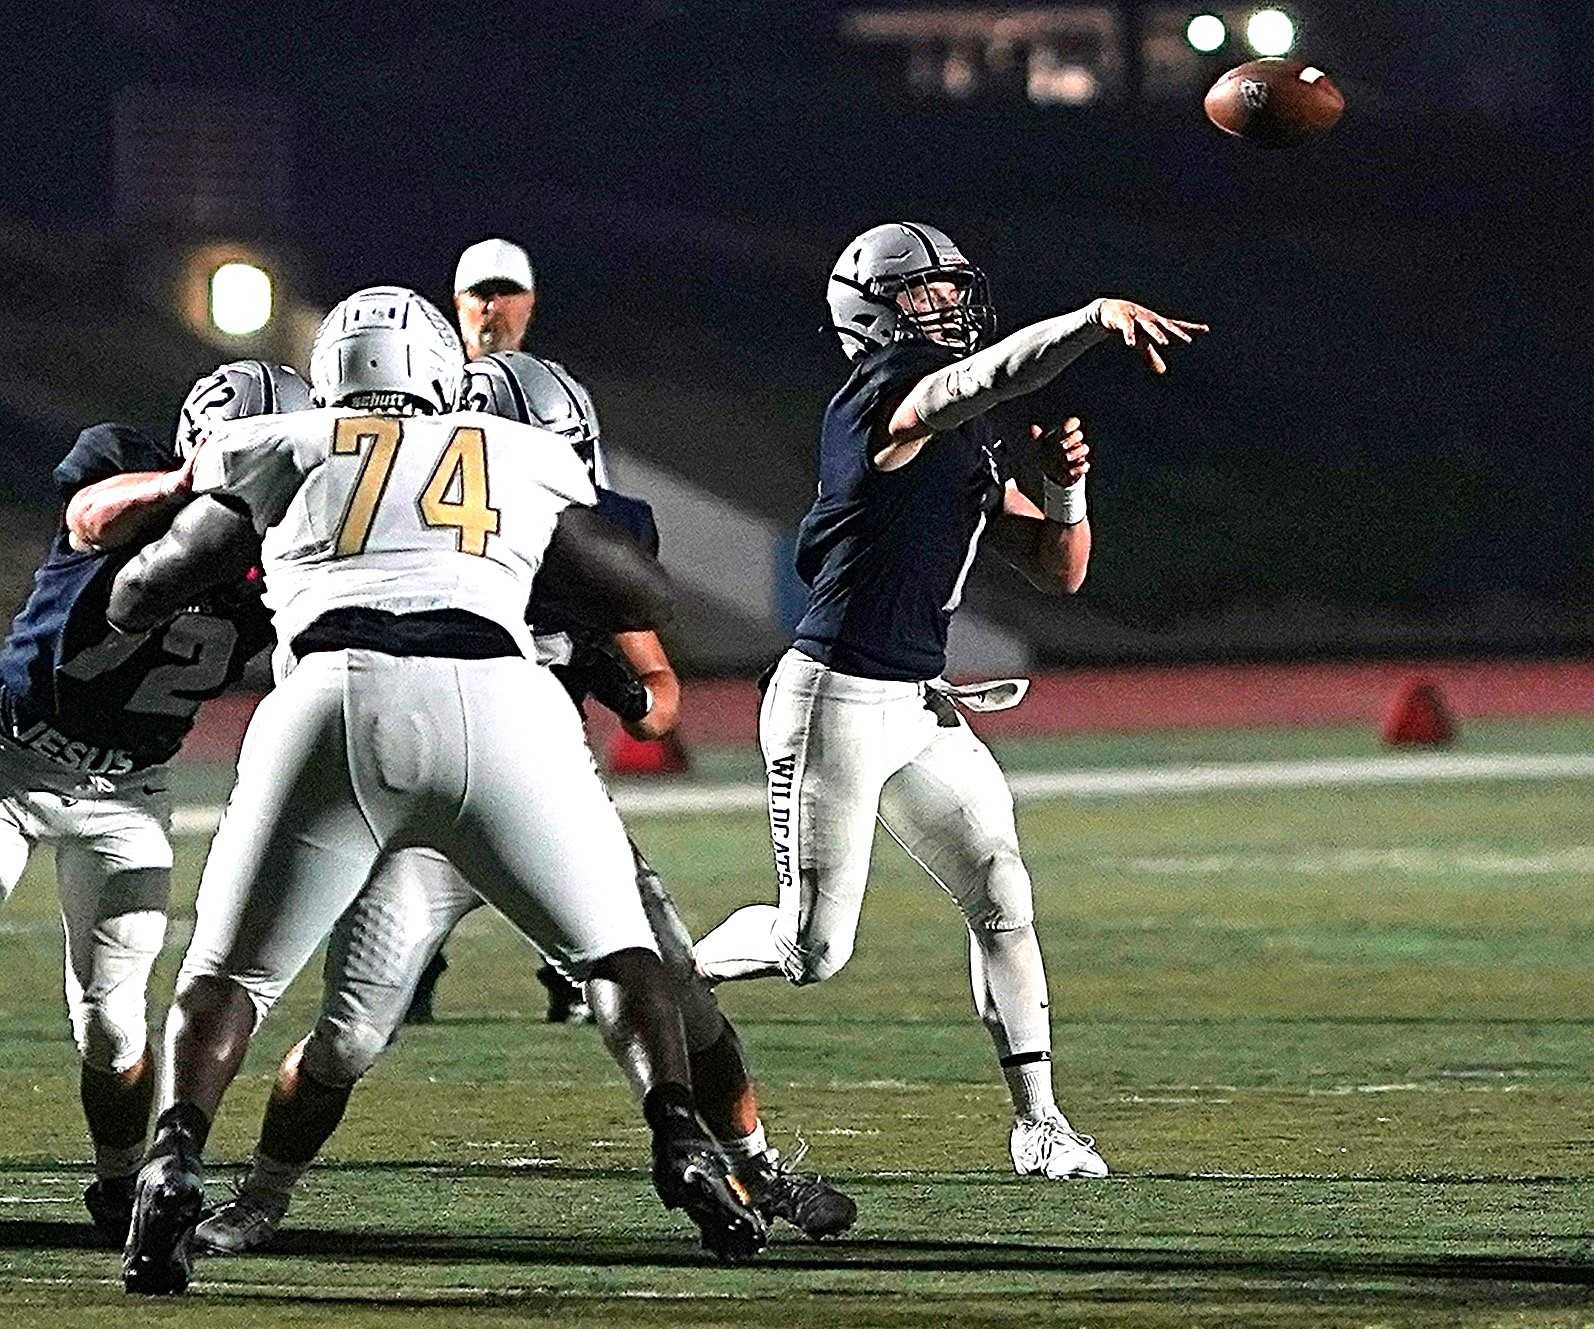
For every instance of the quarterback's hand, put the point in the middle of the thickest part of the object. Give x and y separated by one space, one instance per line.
1124 317
1065 456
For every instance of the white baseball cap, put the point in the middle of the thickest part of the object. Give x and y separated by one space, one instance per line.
494 260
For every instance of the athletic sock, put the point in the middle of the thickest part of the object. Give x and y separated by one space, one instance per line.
1029 1081
270 1176
122 1160
1009 980
752 1145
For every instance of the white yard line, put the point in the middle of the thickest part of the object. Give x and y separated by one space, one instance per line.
668 799
1315 773
1476 860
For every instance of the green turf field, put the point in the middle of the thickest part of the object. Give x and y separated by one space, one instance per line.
1335 1043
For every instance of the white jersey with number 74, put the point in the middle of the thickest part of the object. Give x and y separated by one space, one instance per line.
401 513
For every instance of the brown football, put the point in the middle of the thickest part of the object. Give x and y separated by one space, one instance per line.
1275 103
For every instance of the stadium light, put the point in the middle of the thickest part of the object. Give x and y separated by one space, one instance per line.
1206 33
1270 32
240 298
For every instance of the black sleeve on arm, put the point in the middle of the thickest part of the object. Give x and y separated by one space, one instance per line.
210 543
597 576
634 514
610 679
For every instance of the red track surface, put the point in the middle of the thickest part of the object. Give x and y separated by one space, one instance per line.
1151 697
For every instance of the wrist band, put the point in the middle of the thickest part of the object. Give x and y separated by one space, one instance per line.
1063 503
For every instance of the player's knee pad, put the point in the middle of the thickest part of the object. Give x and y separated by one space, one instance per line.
1000 898
109 1028
107 975
341 1049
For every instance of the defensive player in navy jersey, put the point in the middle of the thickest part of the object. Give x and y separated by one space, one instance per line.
88 717
856 722
384 944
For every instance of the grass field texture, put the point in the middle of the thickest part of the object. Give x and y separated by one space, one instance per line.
1334 1042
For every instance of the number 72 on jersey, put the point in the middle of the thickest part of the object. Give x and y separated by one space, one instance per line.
454 496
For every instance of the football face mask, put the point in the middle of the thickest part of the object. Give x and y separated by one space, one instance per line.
948 306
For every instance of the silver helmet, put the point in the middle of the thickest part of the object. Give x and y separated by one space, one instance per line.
386 348
243 387
520 386
907 281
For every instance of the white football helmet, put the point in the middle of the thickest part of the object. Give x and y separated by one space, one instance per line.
386 348
520 386
905 281
243 387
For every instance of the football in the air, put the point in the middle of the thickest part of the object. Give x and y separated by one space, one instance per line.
1275 103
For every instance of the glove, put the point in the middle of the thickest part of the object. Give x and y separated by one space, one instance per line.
610 680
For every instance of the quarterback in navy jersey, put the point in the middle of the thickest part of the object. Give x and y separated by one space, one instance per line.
88 716
856 722
881 594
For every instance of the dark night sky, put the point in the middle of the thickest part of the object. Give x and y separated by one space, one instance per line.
612 96
1401 306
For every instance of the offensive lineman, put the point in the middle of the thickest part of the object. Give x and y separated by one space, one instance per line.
388 938
88 719
401 540
856 722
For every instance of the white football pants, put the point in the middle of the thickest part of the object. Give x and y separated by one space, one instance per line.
384 941
113 865
357 753
839 751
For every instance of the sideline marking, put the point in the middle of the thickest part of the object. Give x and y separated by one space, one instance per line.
1132 782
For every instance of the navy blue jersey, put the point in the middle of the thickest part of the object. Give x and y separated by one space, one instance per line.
86 697
632 514
885 553
586 673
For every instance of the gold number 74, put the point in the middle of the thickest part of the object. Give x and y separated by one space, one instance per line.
464 459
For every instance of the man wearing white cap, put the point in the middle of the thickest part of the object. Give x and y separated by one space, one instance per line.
495 300
495 296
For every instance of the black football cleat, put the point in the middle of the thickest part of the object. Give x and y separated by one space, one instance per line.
110 1204
567 1001
158 1258
691 1172
810 1204
422 1004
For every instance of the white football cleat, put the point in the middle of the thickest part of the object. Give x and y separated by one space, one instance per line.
245 1223
1049 1147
